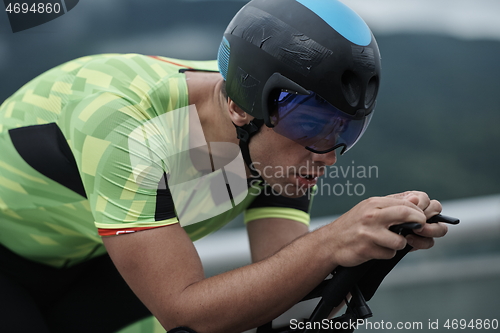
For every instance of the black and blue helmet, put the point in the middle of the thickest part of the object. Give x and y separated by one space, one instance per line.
278 54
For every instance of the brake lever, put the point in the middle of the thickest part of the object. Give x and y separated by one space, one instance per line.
408 227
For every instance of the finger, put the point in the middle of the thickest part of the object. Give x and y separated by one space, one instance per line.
391 241
406 194
419 202
383 253
420 243
400 214
415 200
384 202
432 230
401 195
421 199
434 208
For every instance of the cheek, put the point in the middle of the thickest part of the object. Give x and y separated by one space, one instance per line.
270 148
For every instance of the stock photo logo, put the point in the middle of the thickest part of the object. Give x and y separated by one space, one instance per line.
26 14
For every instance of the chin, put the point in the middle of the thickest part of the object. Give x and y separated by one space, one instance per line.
289 189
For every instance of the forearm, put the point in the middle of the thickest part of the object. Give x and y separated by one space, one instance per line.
268 236
254 294
164 270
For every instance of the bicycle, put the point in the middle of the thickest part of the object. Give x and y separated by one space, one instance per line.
361 282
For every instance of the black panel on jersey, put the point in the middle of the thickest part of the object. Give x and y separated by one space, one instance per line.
269 198
165 208
45 149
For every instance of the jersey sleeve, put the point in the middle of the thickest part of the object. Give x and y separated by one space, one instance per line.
269 204
120 141
121 167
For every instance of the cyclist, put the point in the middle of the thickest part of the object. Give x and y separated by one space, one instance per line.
124 160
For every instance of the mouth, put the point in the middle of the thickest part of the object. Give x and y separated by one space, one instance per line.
308 176
311 175
308 179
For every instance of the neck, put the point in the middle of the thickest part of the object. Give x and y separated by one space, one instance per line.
205 93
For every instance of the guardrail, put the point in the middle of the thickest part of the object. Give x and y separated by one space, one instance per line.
480 224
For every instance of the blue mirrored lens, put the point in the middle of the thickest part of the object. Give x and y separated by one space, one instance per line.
315 124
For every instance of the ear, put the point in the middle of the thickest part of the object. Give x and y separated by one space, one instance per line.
237 115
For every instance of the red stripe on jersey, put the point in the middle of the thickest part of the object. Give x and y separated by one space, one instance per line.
171 62
113 232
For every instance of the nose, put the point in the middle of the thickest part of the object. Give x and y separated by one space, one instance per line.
327 159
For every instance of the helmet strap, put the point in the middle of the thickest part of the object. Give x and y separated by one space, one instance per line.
244 134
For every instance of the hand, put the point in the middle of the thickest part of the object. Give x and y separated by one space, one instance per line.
363 232
424 238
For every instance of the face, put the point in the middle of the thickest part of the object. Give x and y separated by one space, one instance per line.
286 165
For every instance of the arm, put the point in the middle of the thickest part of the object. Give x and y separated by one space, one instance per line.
164 270
268 236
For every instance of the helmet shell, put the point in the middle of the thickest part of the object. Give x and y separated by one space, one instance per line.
300 45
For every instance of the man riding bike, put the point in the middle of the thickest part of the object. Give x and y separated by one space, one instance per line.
124 160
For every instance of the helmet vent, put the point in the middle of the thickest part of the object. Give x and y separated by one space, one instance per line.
223 57
351 88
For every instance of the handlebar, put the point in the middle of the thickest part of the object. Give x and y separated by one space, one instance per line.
360 281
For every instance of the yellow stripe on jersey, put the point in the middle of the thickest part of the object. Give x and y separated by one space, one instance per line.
276 212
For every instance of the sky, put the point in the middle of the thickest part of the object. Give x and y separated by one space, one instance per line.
462 18
468 19
471 19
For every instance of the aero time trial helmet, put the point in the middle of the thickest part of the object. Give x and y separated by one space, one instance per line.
310 69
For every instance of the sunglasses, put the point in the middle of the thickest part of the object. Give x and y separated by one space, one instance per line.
314 123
